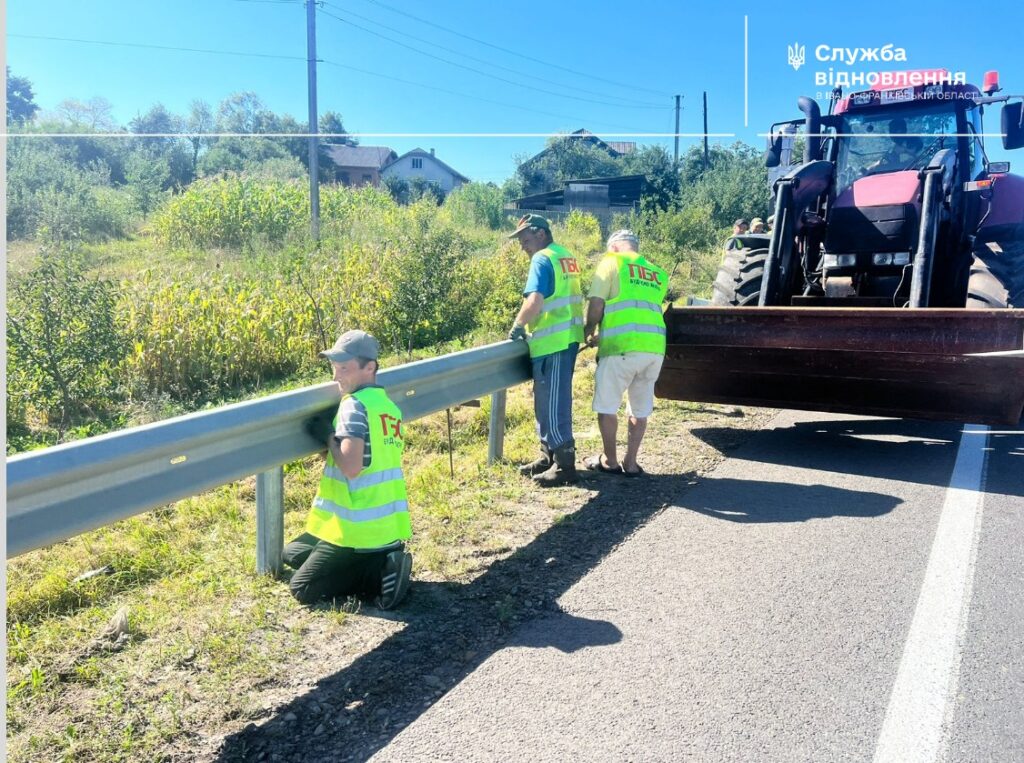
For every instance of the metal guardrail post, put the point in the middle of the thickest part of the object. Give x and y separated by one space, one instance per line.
269 520
496 428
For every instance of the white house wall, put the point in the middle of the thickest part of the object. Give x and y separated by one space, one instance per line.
430 170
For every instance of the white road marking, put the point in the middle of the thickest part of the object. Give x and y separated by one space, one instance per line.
922 696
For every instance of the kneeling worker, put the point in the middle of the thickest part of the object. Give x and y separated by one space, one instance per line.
625 300
354 536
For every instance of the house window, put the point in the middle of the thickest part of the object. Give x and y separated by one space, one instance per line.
417 164
344 177
367 178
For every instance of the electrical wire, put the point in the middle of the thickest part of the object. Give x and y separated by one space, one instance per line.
628 86
421 85
532 88
155 47
469 96
625 102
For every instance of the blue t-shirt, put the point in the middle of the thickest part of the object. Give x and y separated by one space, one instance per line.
541 276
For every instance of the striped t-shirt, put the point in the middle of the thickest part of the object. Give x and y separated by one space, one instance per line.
352 422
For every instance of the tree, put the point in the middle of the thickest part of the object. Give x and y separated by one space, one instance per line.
96 113
657 166
199 122
242 113
734 185
21 106
565 159
172 152
330 123
148 177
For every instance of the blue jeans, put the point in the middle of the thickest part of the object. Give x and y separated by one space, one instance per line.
552 396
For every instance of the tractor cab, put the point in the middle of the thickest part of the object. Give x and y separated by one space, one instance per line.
885 208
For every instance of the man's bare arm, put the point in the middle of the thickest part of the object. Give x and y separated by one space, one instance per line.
348 455
533 303
595 312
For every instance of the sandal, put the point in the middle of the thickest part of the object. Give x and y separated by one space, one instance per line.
638 473
596 463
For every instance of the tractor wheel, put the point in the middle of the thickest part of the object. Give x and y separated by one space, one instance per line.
738 283
997 274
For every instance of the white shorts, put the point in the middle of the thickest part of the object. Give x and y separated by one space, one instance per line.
635 372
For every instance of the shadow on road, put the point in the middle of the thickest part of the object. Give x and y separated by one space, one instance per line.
922 452
1005 474
897 449
753 501
450 629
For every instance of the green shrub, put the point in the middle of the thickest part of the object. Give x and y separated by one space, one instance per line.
476 204
49 197
63 343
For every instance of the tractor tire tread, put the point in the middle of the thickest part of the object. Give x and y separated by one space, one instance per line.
738 282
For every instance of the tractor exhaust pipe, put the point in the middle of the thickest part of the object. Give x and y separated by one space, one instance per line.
812 127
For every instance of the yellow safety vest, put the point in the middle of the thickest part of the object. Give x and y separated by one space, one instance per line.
370 510
633 321
560 322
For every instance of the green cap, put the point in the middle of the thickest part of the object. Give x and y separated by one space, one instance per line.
531 221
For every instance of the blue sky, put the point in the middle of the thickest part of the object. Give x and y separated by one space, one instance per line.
637 55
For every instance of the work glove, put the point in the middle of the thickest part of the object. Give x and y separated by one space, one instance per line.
517 332
321 427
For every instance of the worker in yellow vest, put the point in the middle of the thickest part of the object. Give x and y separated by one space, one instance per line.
353 543
625 323
551 322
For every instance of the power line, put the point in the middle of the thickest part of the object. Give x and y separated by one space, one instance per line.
155 47
630 86
626 102
421 85
471 69
469 96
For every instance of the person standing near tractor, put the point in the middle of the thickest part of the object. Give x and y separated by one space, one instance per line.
626 324
550 321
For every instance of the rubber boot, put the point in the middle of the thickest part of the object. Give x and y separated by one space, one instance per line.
542 464
562 471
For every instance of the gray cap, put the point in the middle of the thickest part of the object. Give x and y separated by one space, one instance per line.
353 344
623 235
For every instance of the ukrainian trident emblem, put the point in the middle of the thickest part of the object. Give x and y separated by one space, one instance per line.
796 56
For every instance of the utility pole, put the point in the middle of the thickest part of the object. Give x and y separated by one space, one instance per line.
314 151
705 130
675 154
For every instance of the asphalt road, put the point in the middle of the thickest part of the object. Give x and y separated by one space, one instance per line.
784 608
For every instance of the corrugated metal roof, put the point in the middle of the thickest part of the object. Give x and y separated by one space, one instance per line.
622 146
624 190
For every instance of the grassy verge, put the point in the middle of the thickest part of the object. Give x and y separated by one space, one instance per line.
211 644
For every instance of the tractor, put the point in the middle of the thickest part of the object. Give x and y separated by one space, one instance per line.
892 281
